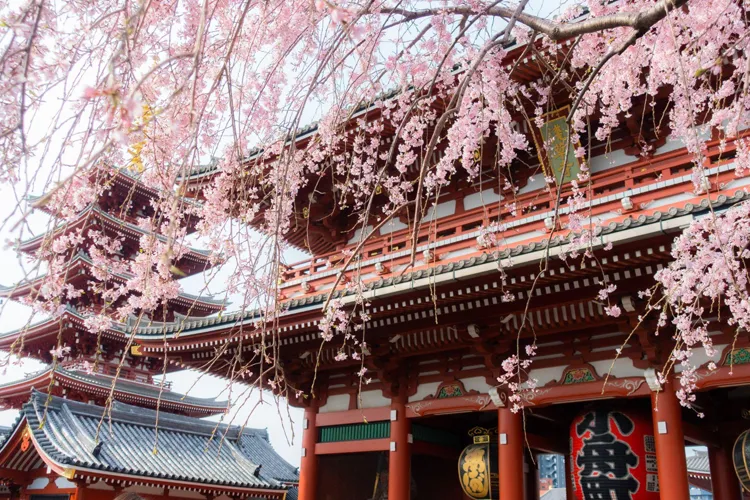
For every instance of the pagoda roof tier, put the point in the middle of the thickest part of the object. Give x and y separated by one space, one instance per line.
188 453
121 187
192 261
79 273
299 321
97 387
47 329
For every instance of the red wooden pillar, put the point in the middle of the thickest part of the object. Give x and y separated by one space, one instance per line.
724 481
81 490
670 444
399 458
308 466
510 459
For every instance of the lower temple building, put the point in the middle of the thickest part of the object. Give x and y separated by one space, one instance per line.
64 449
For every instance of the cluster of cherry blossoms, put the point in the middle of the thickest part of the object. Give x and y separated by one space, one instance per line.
708 275
407 97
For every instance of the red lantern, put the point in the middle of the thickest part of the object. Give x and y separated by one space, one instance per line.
613 456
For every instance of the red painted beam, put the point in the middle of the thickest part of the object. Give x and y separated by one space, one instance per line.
352 446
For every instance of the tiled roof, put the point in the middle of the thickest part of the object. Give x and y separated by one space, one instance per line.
185 449
122 385
698 462
150 391
124 276
256 446
92 208
248 317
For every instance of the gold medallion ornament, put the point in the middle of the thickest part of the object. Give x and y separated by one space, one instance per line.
25 440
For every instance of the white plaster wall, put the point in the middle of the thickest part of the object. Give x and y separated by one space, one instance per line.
623 368
339 402
440 210
737 183
522 236
61 482
599 219
535 182
704 134
39 483
458 253
700 357
373 399
424 390
392 226
476 384
668 200
358 234
611 160
475 200
546 375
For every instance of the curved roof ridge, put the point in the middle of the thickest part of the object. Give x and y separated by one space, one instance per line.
150 390
185 451
84 257
92 207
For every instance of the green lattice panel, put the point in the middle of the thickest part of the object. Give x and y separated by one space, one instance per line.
355 432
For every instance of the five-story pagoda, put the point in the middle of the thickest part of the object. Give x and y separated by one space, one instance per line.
95 261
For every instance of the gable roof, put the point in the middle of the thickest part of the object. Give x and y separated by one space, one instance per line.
131 442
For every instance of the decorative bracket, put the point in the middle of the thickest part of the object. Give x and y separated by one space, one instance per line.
651 379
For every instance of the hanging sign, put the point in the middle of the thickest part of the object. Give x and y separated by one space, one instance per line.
555 151
613 456
477 465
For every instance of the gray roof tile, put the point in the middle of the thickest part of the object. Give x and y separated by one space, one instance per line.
248 317
127 386
256 446
184 449
698 462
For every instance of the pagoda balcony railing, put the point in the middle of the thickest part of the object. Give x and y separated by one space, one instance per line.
392 249
80 368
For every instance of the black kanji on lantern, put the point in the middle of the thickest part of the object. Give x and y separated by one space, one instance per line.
604 460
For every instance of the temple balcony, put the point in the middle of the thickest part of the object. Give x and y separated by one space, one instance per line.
627 189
